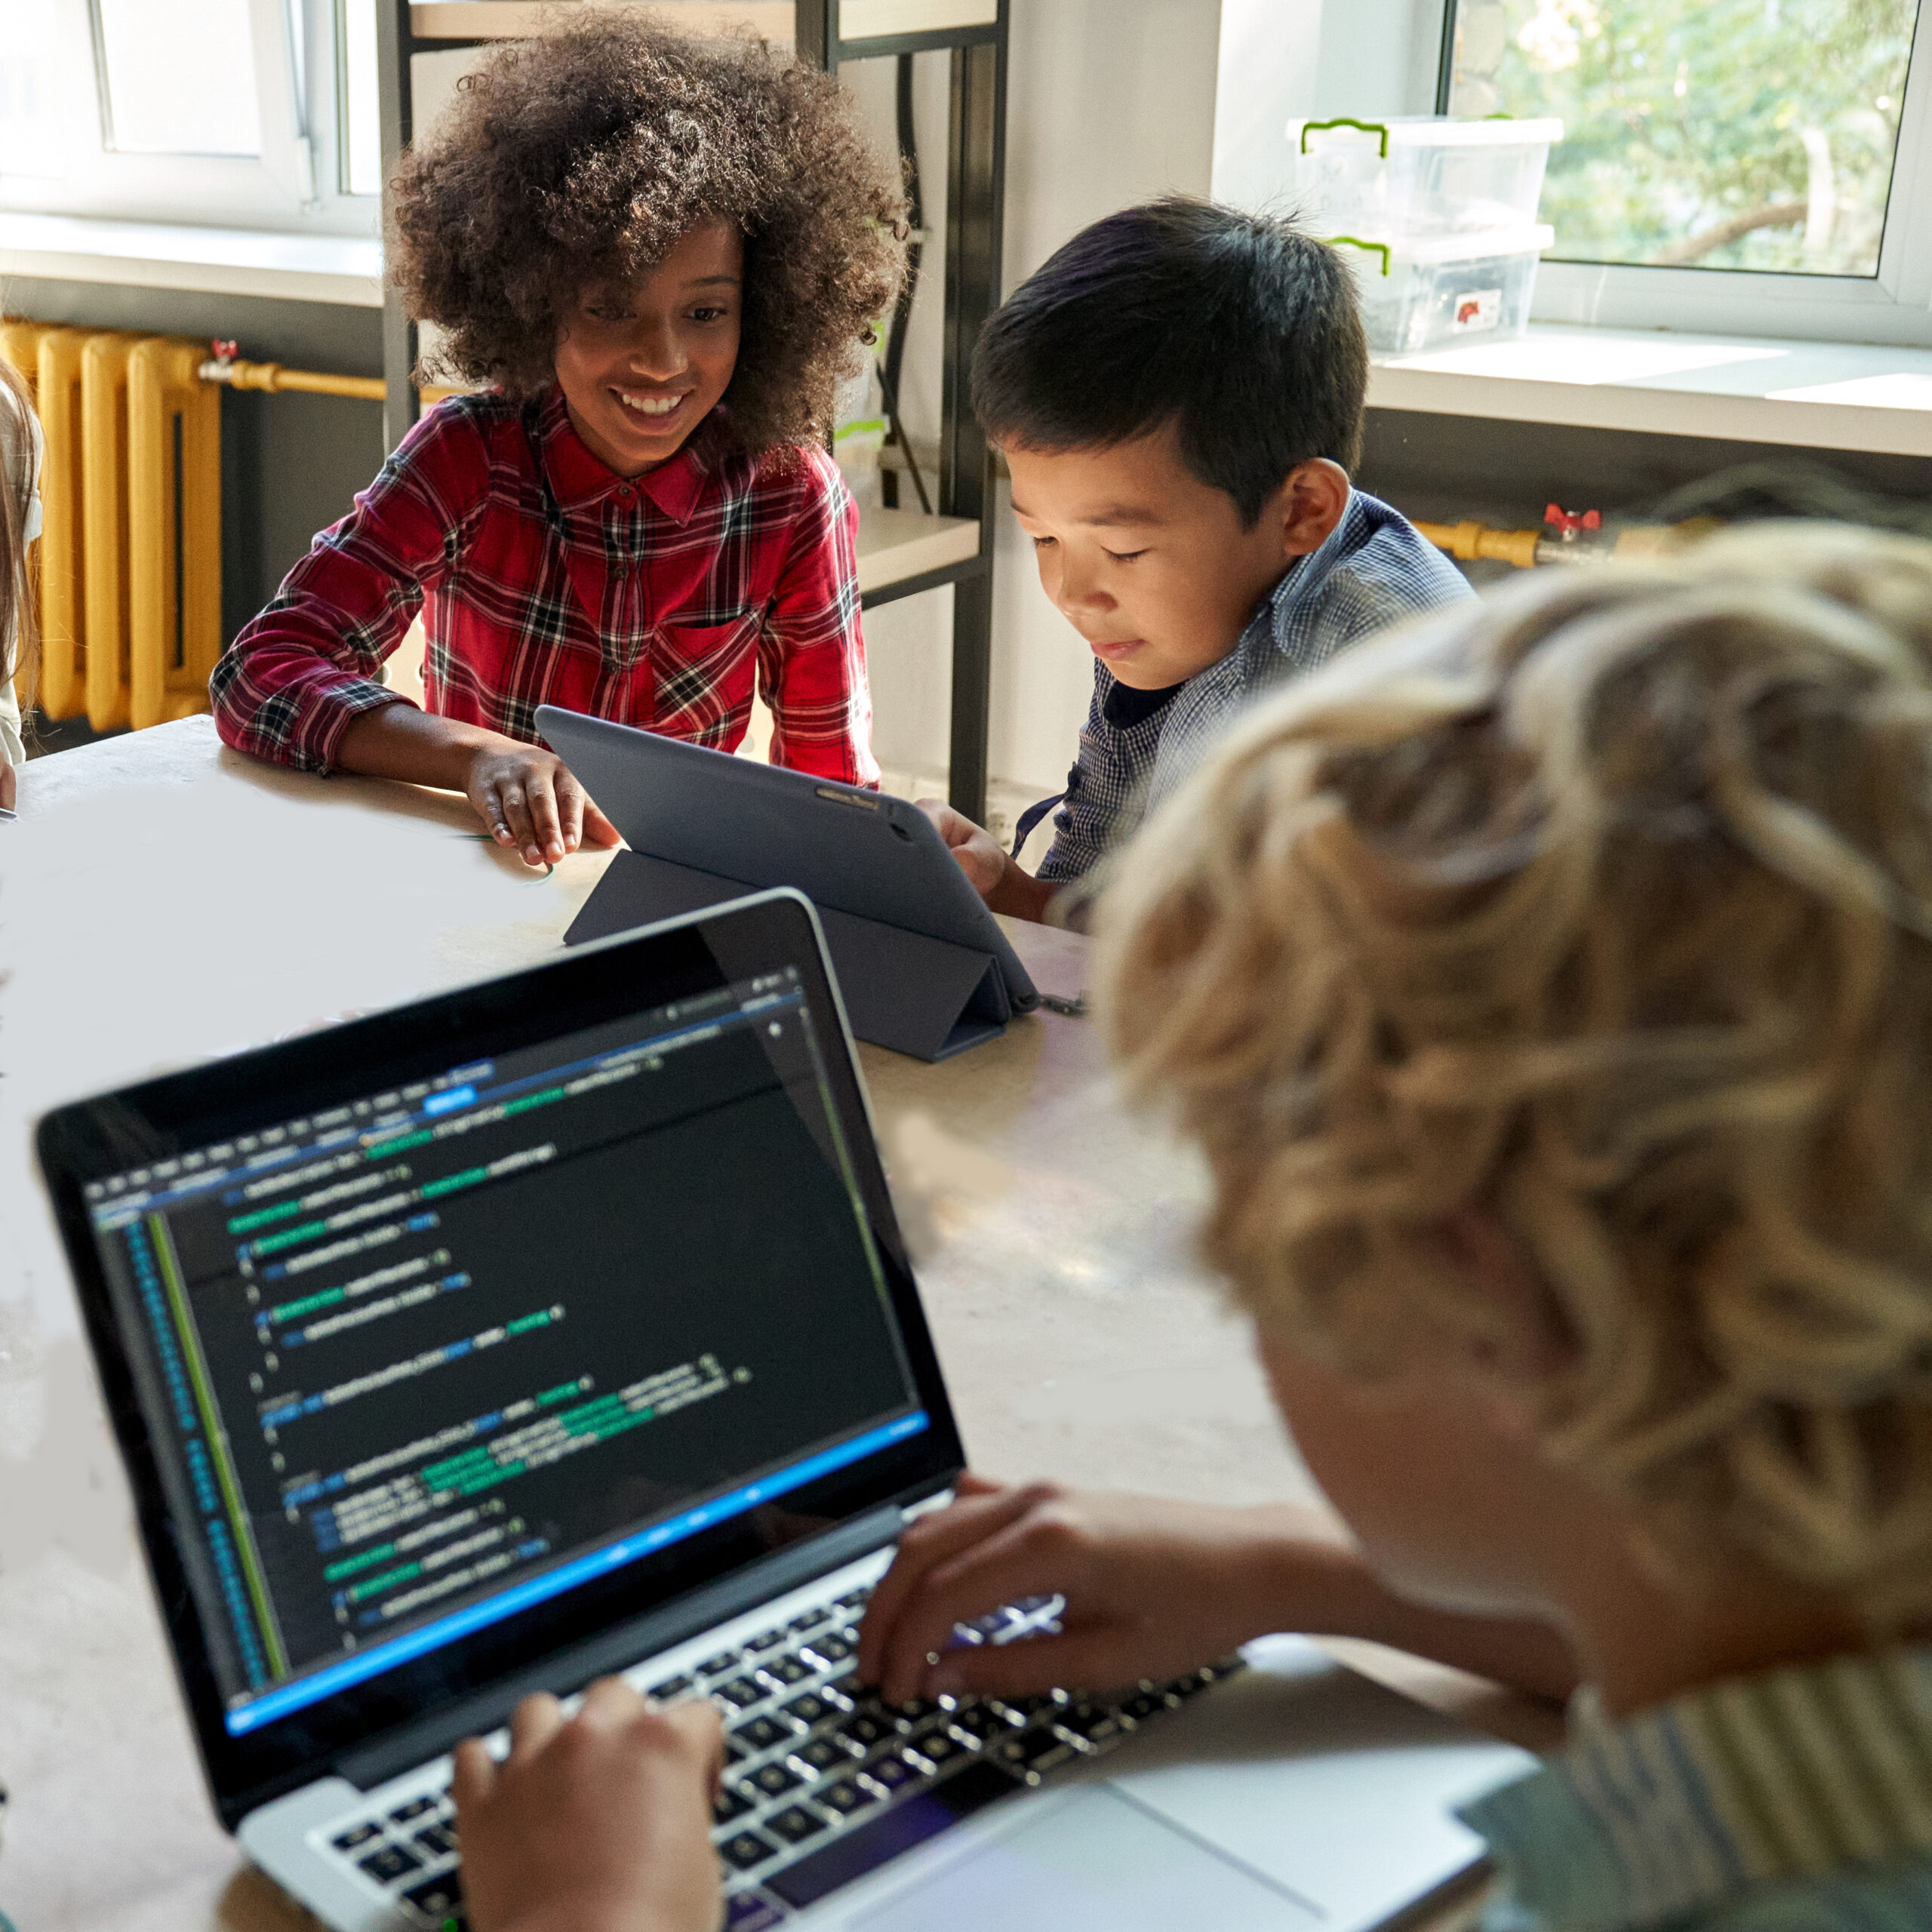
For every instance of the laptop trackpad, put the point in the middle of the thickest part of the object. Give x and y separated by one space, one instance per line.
1100 1861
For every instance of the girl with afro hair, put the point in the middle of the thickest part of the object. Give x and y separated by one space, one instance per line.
661 254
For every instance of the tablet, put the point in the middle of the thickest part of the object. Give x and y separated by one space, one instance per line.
863 854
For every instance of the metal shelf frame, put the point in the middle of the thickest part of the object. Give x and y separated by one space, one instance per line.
975 184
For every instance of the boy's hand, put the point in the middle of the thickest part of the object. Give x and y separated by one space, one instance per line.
531 800
1153 1588
598 1822
995 877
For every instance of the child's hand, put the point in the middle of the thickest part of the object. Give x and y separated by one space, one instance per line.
598 1822
1153 1588
995 877
530 801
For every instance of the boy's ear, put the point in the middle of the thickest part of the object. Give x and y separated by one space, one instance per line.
1309 504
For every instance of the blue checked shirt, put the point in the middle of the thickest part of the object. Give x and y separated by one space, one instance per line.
1800 1800
1373 570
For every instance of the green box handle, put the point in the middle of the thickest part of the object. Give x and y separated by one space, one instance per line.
1309 127
1367 248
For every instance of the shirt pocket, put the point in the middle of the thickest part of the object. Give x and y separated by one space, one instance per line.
705 674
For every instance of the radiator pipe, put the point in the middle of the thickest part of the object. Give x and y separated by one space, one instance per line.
273 377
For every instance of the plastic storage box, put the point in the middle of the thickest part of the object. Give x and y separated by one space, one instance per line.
1419 174
1436 290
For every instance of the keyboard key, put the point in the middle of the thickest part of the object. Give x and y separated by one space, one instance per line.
1144 1705
821 1754
980 1723
772 1779
761 1733
672 1687
356 1834
811 1709
811 1619
414 1808
864 1729
390 1864
892 1773
748 1912
1032 1756
437 1899
912 1712
847 1686
1092 1722
795 1824
857 1599
438 1841
717 1665
742 1691
731 1804
830 1648
789 1670
747 1850
735 1753
937 1746
848 1797
766 1639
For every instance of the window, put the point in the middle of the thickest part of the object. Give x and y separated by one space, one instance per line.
221 113
359 130
1757 134
1749 166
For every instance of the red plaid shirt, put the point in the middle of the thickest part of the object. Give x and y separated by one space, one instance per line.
546 579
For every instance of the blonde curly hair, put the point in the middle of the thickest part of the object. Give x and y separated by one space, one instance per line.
1605 906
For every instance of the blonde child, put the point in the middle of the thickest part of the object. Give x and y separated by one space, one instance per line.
1549 986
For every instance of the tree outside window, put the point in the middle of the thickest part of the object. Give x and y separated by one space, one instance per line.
1755 134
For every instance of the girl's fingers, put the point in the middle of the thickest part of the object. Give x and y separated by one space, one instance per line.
597 828
546 828
1081 1659
610 1704
516 815
569 810
932 1540
533 1723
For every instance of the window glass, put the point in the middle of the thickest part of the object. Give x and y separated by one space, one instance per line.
362 143
32 135
178 76
1720 134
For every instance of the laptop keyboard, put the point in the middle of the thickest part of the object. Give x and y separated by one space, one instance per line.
821 1780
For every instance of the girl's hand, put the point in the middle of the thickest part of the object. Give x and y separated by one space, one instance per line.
530 801
1153 1588
598 1822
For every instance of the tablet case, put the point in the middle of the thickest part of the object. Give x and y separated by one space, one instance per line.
916 995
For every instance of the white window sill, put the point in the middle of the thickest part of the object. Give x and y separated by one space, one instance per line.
217 261
1809 395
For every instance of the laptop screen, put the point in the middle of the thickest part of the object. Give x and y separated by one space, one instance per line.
460 1344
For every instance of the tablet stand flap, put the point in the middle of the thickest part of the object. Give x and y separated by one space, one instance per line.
638 890
908 991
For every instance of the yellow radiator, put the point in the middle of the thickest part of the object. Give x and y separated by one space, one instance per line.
130 557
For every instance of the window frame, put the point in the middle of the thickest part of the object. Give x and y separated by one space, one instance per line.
291 187
1893 307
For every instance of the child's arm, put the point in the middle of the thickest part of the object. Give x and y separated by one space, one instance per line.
300 685
997 876
599 1823
811 656
1153 1588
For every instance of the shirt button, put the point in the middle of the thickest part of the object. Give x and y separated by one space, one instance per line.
624 490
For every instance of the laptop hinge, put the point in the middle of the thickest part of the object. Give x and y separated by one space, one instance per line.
402 1749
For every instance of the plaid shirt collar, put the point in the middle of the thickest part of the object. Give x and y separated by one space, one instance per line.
1796 1776
580 481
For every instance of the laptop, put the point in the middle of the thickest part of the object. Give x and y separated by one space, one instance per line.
925 968
561 1325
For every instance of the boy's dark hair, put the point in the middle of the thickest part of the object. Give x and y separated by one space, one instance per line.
577 160
1239 329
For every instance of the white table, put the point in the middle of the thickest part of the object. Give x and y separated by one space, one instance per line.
162 900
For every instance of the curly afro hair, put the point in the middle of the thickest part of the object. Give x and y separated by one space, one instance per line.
577 160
